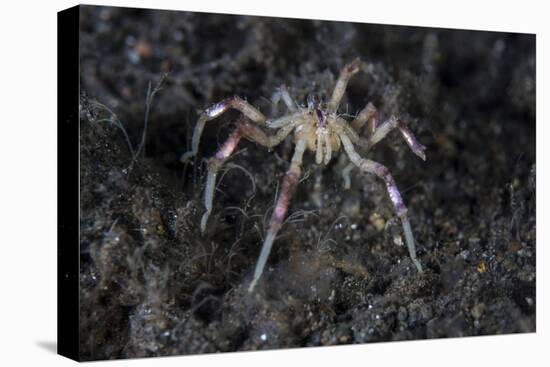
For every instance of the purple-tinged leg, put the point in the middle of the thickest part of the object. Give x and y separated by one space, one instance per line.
281 208
244 130
372 121
214 164
395 197
415 146
381 171
391 124
216 110
368 116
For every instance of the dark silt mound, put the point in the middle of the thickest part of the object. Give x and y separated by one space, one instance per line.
152 285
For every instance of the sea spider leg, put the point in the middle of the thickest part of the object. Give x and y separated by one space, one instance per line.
347 72
407 134
214 164
279 213
367 115
282 93
381 171
269 141
244 129
285 120
346 175
216 110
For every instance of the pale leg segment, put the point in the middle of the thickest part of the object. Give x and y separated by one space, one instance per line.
282 93
339 89
367 115
214 164
244 129
368 166
216 110
279 213
383 130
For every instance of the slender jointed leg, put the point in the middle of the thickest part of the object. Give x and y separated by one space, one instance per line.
214 164
282 93
285 120
407 134
216 110
381 171
367 115
346 175
259 136
375 134
279 213
244 129
347 72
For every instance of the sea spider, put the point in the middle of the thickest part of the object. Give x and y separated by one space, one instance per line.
317 127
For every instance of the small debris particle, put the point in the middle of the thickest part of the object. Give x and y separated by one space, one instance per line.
344 339
477 310
143 49
397 240
481 267
377 221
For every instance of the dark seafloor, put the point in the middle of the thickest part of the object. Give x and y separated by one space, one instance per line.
151 285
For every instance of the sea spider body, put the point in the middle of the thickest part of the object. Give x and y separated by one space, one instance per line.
318 128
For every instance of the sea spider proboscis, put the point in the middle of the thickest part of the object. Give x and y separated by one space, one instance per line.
318 128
